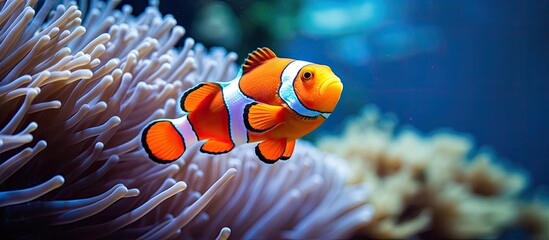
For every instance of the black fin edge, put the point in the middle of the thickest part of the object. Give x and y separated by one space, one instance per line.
186 94
148 150
257 51
247 121
214 153
263 158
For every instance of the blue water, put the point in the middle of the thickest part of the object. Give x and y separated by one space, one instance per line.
488 75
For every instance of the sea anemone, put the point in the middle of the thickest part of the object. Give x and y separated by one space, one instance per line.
74 98
302 198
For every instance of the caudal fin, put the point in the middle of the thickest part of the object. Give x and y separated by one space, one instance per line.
162 141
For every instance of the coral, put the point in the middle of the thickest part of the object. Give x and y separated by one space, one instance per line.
534 217
74 96
430 186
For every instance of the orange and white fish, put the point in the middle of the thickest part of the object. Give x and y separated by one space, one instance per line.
273 101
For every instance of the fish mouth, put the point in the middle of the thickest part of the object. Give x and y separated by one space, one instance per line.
331 85
330 91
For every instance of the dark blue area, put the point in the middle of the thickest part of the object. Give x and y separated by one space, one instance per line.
488 77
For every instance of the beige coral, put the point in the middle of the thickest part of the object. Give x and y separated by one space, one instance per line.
433 185
534 217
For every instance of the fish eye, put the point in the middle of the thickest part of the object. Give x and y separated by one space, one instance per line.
307 75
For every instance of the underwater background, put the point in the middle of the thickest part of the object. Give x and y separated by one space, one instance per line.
440 132
476 67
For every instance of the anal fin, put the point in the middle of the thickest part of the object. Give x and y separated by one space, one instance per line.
216 147
289 150
269 151
260 117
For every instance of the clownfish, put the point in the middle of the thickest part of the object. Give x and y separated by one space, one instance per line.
273 101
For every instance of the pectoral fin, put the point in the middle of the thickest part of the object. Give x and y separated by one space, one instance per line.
269 151
260 117
193 97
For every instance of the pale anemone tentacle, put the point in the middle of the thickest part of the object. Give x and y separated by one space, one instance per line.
28 194
74 87
224 234
271 201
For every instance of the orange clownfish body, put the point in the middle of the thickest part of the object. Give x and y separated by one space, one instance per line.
273 101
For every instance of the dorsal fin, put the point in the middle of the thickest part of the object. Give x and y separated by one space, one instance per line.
193 97
256 58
